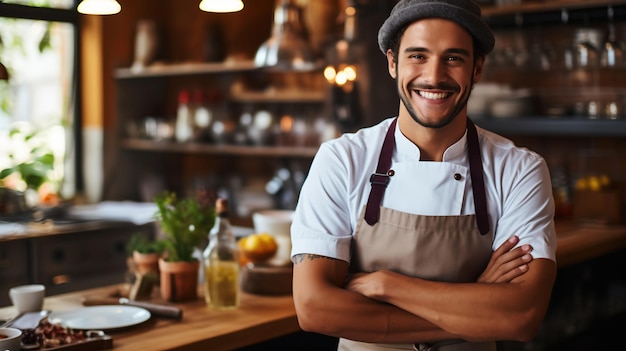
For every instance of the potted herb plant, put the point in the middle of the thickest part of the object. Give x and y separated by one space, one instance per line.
31 173
185 223
145 253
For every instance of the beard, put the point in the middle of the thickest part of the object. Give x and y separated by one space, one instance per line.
449 117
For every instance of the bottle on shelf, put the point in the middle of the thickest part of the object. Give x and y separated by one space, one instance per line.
242 130
202 117
222 127
221 260
183 130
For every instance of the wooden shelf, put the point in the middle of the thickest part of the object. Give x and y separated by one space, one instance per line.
534 7
553 12
190 68
291 96
195 68
210 149
562 126
593 79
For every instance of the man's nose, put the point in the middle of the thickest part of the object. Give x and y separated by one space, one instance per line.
435 72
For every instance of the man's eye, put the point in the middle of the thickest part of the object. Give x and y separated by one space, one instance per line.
455 60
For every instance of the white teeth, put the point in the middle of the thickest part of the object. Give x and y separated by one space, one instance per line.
433 96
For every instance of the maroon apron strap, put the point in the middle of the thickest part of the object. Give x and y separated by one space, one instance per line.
380 179
478 183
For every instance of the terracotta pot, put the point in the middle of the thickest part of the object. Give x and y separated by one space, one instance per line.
179 280
145 263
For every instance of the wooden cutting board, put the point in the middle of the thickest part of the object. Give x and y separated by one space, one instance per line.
267 280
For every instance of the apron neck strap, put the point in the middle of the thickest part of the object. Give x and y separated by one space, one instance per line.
380 179
478 182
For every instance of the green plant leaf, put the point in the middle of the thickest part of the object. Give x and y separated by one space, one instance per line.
186 223
141 243
45 43
7 172
46 160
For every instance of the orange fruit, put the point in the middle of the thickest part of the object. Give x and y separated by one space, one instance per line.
258 248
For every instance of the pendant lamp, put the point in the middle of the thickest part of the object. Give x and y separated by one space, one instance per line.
287 48
99 7
221 6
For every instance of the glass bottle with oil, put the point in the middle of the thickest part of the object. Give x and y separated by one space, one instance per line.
221 260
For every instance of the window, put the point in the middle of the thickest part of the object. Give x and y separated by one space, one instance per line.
38 103
61 4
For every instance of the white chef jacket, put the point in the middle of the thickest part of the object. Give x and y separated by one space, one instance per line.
517 183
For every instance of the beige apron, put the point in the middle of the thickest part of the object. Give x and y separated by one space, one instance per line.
442 248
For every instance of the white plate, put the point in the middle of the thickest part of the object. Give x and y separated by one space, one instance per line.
101 317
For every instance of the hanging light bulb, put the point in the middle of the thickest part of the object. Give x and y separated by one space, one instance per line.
342 72
221 6
350 72
99 7
330 73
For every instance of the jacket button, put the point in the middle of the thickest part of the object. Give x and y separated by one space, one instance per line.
457 176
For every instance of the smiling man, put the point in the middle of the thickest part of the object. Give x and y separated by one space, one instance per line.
424 231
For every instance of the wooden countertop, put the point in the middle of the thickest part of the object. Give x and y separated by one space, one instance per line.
48 228
579 242
262 318
259 318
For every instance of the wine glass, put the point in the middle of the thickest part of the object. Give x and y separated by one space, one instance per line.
612 50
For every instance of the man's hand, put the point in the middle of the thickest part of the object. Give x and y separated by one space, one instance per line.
507 263
368 284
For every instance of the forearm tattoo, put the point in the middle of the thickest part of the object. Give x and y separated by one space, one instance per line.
300 257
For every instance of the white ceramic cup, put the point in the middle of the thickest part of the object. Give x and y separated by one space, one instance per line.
10 339
278 224
28 298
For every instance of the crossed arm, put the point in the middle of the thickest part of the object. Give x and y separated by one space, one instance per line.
508 301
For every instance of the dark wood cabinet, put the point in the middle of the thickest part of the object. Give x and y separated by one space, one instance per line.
67 258
14 267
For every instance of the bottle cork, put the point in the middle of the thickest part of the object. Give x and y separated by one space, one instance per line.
221 205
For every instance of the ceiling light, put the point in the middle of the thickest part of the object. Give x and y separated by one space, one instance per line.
99 7
221 6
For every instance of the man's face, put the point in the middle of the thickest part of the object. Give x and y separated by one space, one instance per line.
435 71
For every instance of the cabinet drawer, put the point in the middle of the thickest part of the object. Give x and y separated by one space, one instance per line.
77 258
13 267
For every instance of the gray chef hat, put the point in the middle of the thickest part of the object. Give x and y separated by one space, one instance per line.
464 12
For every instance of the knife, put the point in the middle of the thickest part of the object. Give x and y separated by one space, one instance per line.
28 320
162 310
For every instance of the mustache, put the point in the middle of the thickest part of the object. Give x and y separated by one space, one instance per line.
442 86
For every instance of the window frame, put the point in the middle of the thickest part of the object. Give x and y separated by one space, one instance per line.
70 16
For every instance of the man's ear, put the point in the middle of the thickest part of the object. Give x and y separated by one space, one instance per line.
391 64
